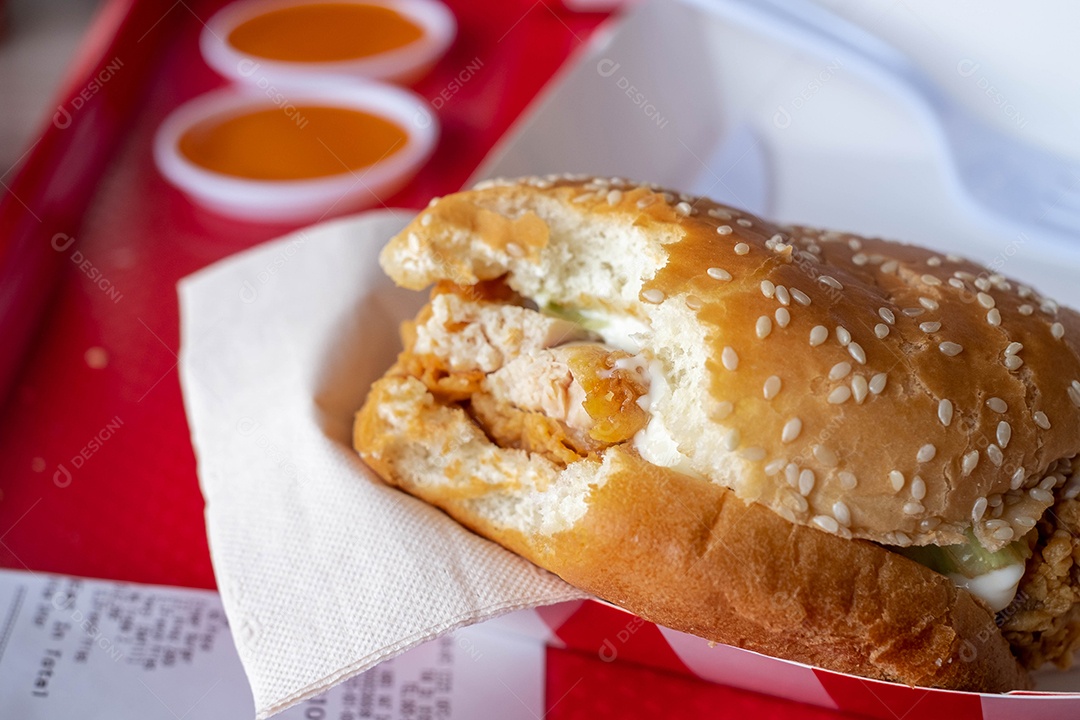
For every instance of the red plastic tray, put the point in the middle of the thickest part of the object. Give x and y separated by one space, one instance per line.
98 471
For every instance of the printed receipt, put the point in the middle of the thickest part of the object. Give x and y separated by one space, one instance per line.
71 647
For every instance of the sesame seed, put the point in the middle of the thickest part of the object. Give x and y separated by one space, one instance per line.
1057 330
985 299
783 295
997 405
877 383
928 525
1025 522
652 295
718 274
913 507
783 317
1048 306
848 481
646 201
928 303
830 281
913 312
718 213
842 335
826 523
798 502
425 219
944 412
818 335
768 288
982 283
978 510
1042 496
694 302
1025 309
859 259
613 197
887 315
825 456
896 478
729 358
754 454
859 388
764 326
806 481
744 222
742 249
889 266
926 453
881 330
854 243
931 280
722 409
839 395
1074 395
791 430
856 351
682 208
933 262
731 440
800 297
723 230
994 453
950 348
1041 420
771 387
958 284
842 513
993 316
839 371
930 327
969 462
773 467
1004 434
1013 348
1013 362
1005 533
1017 478
918 488
791 474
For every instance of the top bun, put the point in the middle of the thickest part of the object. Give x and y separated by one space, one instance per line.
864 387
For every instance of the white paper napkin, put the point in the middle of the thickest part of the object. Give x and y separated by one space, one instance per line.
324 571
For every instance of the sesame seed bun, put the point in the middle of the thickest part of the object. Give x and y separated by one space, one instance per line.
761 401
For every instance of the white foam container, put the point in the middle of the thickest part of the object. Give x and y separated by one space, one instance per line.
847 156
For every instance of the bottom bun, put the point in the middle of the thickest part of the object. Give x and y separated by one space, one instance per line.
689 554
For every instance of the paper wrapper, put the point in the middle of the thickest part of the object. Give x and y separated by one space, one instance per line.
323 570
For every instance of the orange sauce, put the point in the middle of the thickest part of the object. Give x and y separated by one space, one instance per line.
305 142
324 32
